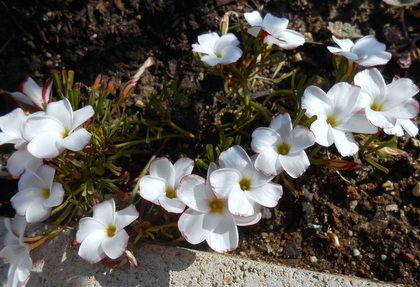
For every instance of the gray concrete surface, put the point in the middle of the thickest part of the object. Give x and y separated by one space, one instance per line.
57 264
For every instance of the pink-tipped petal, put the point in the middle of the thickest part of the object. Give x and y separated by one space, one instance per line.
193 192
151 188
295 164
76 141
238 202
163 168
267 195
90 249
125 216
191 225
183 167
225 236
345 143
114 246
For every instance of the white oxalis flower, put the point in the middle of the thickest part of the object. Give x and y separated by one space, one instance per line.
208 217
244 186
274 30
282 147
11 126
388 106
218 50
338 115
32 94
103 234
367 51
16 252
58 129
160 187
22 160
38 193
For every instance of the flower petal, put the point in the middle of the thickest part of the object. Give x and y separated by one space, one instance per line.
321 130
30 179
40 124
91 249
295 164
37 211
400 91
254 31
82 115
380 119
45 146
163 168
235 157
274 25
268 163
20 97
62 111
345 143
301 139
407 110
114 246
407 125
253 18
104 212
11 124
267 195
223 180
183 167
151 188
372 84
191 225
238 202
46 173
287 39
125 216
230 55
22 199
225 236
75 141
316 102
372 51
358 123
56 195
193 192
211 60
249 220
345 98
87 226
33 91
206 43
174 205
264 138
282 124
344 44
21 160
226 40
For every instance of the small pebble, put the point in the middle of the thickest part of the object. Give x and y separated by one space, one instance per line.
350 233
416 190
383 257
313 259
353 204
388 185
356 252
391 207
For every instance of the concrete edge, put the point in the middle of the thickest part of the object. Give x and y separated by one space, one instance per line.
57 264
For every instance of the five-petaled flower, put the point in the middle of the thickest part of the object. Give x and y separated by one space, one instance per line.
388 106
22 160
160 187
282 147
338 115
273 30
244 187
367 51
218 50
103 234
208 217
11 126
16 252
32 94
58 129
38 193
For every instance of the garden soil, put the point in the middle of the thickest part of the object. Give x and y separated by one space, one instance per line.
363 222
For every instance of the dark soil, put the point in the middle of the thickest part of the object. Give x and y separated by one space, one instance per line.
364 223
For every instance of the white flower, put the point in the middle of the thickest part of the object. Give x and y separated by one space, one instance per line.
281 146
244 186
160 187
37 194
274 30
338 115
366 52
32 94
208 217
11 126
388 106
57 130
22 160
103 234
16 252
218 50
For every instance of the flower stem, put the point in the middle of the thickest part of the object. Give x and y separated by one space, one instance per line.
179 129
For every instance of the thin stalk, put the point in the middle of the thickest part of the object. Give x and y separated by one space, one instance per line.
181 130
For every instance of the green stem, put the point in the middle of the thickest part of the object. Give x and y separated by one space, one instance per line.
262 110
368 142
179 129
145 141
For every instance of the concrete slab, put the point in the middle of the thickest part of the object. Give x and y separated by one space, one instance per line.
57 264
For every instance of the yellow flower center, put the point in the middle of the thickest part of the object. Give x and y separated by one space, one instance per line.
332 121
283 148
216 205
45 193
245 183
170 192
376 107
65 133
110 230
218 55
